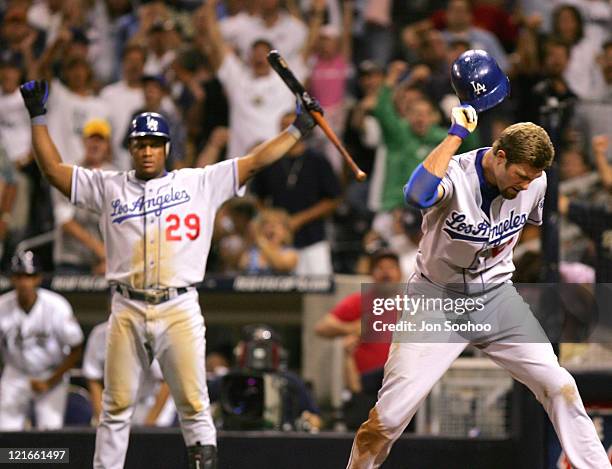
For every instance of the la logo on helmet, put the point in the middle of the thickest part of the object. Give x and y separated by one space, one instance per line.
478 87
152 124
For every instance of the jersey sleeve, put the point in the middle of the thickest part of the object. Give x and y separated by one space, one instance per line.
535 216
63 210
447 190
349 309
87 189
220 182
67 328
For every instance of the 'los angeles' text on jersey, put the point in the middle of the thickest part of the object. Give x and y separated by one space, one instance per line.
142 206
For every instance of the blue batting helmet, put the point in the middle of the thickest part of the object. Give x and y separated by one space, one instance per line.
149 124
478 80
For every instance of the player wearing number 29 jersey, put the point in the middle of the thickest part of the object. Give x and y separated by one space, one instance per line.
162 227
157 227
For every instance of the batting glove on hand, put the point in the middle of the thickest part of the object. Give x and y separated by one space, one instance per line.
464 120
304 122
35 94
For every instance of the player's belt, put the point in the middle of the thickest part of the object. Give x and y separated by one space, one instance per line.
465 292
150 296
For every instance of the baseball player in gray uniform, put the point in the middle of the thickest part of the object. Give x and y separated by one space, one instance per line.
37 327
157 227
475 206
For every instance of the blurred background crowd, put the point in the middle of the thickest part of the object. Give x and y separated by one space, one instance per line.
380 69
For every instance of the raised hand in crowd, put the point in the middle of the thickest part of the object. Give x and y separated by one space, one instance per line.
600 145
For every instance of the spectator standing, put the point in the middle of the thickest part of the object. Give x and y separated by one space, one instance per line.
459 26
79 248
568 26
257 96
344 320
124 98
305 185
329 49
593 116
269 22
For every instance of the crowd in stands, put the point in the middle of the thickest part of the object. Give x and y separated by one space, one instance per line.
380 69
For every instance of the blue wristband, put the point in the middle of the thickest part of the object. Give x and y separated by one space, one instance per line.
422 188
39 120
459 131
293 130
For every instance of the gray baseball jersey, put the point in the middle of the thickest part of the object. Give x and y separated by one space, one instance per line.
463 245
157 233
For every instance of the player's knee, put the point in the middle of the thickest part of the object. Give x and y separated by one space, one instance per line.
119 402
189 406
560 384
384 423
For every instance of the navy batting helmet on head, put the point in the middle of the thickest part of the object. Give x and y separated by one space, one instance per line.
478 80
149 124
25 263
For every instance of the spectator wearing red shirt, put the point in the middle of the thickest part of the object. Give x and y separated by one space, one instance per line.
366 358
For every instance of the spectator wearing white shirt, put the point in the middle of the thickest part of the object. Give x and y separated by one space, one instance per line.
79 248
15 140
71 106
123 98
269 22
593 116
46 15
73 100
257 96
161 44
580 73
14 120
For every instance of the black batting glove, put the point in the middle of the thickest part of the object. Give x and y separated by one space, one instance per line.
35 94
304 122
310 103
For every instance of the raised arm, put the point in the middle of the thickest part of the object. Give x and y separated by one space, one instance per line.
348 11
423 189
317 15
600 150
272 150
216 49
59 174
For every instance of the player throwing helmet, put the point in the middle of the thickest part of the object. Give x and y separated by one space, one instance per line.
475 206
157 227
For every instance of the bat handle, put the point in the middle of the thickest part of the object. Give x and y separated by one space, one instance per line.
320 120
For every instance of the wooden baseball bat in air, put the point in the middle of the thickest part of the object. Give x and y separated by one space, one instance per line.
280 66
